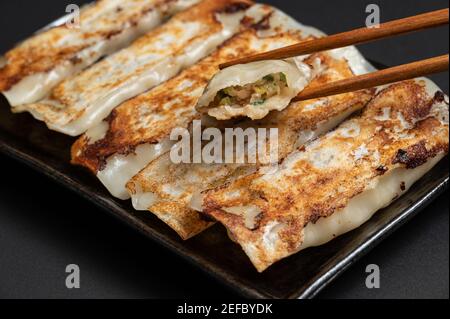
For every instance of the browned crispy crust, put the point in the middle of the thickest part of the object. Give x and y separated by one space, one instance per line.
313 192
70 100
128 129
298 117
189 179
40 54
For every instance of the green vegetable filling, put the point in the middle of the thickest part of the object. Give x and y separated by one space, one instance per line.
252 94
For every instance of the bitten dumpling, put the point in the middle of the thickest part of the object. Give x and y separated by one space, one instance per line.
255 89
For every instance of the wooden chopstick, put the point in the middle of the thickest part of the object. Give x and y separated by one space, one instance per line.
358 36
387 76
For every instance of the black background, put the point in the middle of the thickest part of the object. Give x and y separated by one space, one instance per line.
43 228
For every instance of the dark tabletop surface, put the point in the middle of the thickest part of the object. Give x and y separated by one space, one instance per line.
43 227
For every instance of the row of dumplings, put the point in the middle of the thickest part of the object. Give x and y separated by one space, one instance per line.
342 157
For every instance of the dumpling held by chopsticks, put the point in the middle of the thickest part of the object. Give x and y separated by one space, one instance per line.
255 89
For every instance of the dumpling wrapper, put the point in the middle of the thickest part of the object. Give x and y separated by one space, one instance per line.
29 71
256 88
138 131
339 181
173 191
85 100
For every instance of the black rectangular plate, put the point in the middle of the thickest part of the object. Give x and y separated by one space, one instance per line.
300 276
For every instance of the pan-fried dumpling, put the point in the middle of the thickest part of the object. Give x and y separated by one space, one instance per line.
256 88
138 131
337 182
173 191
84 101
33 68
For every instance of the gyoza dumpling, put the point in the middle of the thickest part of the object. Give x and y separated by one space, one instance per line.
85 100
30 71
256 88
337 182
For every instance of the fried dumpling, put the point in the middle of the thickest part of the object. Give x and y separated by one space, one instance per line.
255 89
337 182
30 70
83 101
173 191
138 131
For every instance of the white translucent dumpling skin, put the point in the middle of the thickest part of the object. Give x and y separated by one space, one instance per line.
297 74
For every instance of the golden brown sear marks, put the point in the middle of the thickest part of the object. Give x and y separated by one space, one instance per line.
175 185
150 117
78 103
100 21
402 127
